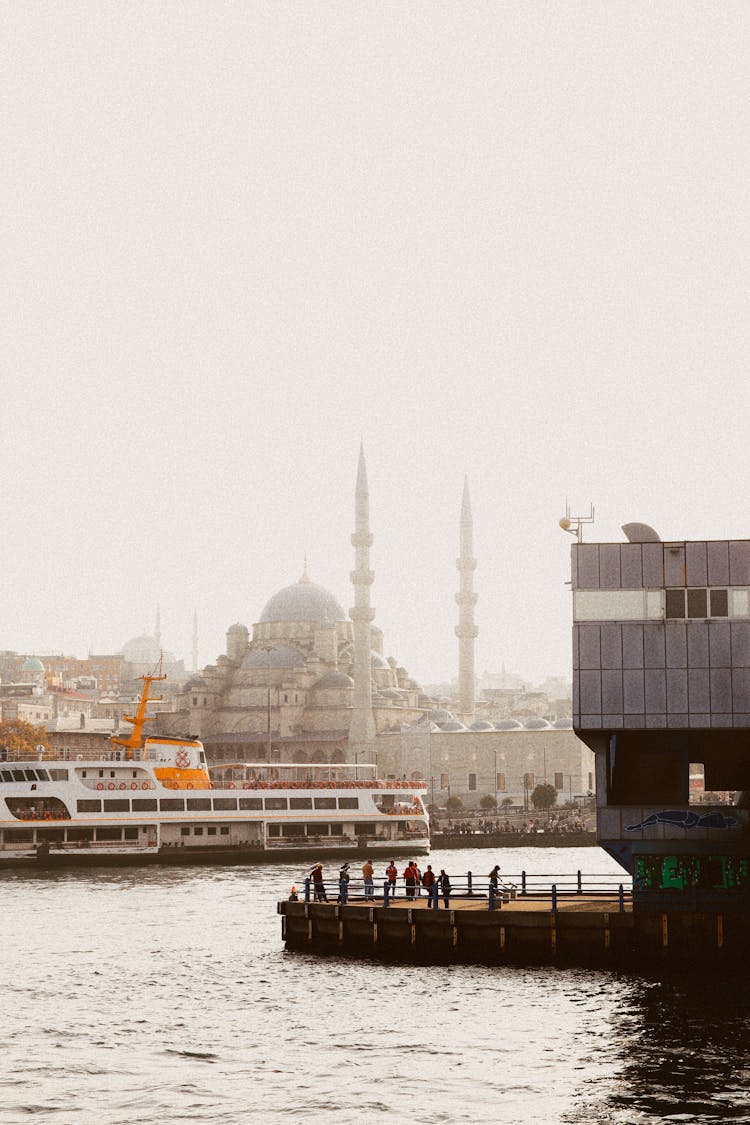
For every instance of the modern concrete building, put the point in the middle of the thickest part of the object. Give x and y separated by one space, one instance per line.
661 666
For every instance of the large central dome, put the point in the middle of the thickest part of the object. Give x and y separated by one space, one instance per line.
304 601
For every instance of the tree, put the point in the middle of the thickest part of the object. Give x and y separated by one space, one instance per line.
21 739
488 803
454 805
507 802
544 796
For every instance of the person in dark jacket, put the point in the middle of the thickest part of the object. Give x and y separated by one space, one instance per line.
445 886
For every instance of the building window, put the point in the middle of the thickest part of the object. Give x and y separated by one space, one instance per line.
195 701
719 603
591 781
472 782
558 781
500 783
697 602
528 781
444 782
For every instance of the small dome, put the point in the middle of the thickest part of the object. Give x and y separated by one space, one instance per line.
279 656
379 661
196 683
237 628
563 724
440 715
32 664
304 601
536 724
508 724
334 680
482 724
453 724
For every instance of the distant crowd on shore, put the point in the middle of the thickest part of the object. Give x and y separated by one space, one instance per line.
560 824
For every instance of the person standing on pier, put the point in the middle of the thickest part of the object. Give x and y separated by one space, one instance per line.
318 886
391 873
445 886
343 881
367 873
428 882
410 879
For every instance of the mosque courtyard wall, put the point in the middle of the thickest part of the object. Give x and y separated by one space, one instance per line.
501 764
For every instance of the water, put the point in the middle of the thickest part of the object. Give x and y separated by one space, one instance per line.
164 995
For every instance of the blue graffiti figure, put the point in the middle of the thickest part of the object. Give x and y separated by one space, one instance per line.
684 818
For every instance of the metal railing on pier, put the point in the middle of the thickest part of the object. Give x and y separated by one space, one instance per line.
550 890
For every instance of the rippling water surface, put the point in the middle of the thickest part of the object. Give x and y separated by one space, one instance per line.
164 995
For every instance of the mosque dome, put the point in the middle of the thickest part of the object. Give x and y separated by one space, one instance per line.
536 724
379 661
482 724
508 724
196 683
563 724
278 656
141 650
32 664
334 680
304 601
237 628
440 715
454 724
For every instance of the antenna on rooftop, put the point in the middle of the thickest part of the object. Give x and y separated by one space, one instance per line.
574 524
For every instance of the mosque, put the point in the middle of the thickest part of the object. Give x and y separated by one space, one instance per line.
311 683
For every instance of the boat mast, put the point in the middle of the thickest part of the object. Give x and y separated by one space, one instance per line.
134 741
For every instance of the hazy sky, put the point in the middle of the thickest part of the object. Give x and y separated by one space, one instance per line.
508 240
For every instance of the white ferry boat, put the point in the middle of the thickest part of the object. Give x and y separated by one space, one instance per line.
156 800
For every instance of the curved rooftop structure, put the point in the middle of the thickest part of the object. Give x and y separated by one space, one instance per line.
304 601
278 656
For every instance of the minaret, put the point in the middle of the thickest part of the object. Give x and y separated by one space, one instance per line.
362 726
466 630
195 640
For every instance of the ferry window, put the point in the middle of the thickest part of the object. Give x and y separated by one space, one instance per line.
273 830
130 833
108 834
224 830
6 776
144 804
89 806
348 802
19 835
172 804
365 829
697 603
314 829
500 783
58 775
116 805
184 831
111 773
101 773
197 831
225 803
325 802
83 773
558 781
18 775
292 830
277 803
675 603
30 775
198 804
135 773
336 829
211 831
42 775
300 802
472 781
251 803
719 603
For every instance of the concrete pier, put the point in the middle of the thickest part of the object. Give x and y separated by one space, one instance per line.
582 930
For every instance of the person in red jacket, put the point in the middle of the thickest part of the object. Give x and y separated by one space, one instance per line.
410 879
391 873
428 882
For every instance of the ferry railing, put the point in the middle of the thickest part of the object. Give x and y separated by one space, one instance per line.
547 890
